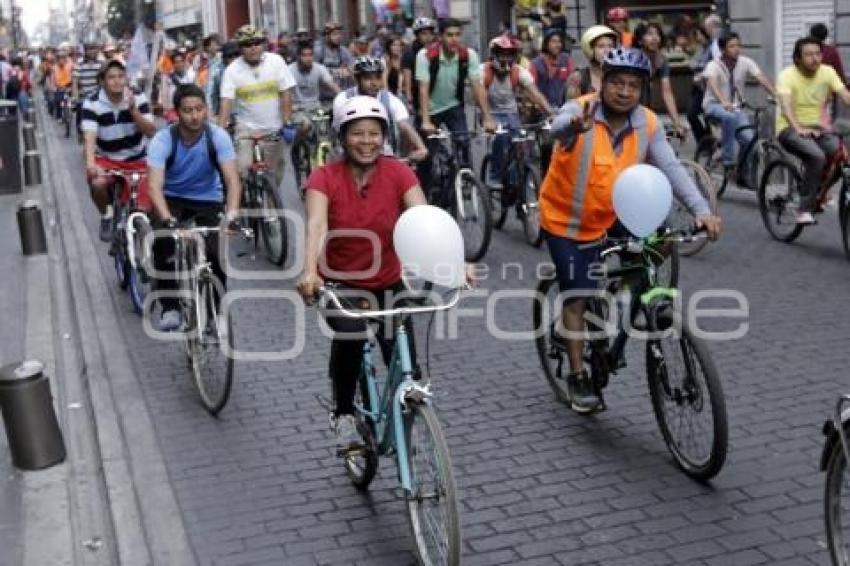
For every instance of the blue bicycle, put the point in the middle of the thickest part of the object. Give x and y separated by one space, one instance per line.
398 419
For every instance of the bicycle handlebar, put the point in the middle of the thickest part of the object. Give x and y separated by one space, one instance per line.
333 297
636 246
272 137
126 174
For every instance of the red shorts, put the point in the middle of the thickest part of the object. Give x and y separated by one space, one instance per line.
143 200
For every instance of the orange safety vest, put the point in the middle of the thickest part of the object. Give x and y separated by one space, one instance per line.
63 74
626 39
576 199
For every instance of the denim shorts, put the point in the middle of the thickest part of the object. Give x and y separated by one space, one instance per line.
577 264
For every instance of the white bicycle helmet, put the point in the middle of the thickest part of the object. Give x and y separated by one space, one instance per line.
358 107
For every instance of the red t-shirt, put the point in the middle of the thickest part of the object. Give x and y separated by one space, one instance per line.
353 258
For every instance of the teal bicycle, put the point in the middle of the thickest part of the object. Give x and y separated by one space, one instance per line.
398 419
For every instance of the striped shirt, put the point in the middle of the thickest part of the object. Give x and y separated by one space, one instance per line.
118 137
85 73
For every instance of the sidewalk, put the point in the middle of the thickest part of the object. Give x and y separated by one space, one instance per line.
110 501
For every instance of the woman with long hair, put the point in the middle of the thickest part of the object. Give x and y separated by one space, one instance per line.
649 38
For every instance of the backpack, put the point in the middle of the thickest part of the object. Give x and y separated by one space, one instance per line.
490 75
211 151
433 54
384 97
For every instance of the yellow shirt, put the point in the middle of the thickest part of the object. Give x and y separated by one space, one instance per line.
808 94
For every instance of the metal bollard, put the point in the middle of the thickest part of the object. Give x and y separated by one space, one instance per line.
35 439
32 168
28 132
31 228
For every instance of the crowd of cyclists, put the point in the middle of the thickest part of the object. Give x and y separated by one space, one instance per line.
194 132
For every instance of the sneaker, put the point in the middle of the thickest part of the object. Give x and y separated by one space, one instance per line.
170 321
345 430
583 395
805 218
105 229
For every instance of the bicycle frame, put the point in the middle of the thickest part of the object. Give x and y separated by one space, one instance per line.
386 407
447 156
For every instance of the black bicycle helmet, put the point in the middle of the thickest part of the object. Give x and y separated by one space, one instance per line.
367 64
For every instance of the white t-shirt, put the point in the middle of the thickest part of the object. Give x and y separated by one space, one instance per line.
256 91
716 68
501 95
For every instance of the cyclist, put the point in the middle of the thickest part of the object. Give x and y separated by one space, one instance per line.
552 68
598 136
369 73
191 169
259 83
804 89
726 78
334 56
423 28
85 77
181 74
650 38
504 79
61 78
442 70
365 191
617 19
208 63
115 123
310 79
596 42
229 53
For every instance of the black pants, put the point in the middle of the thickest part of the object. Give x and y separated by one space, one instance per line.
204 214
350 338
455 121
815 153
698 127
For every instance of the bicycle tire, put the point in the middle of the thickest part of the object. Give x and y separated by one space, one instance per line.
444 490
773 200
140 282
361 465
476 211
680 218
836 470
529 208
213 379
844 217
498 212
66 120
705 157
272 225
119 247
681 396
301 164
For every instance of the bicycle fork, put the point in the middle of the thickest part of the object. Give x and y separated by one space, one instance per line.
461 207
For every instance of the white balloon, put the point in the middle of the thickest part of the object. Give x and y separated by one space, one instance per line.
429 244
642 198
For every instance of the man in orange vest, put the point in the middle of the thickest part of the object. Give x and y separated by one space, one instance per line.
598 136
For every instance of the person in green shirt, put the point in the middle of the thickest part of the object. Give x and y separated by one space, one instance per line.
804 89
441 71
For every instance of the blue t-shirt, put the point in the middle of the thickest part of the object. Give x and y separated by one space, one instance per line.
192 176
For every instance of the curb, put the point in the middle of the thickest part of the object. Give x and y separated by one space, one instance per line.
146 519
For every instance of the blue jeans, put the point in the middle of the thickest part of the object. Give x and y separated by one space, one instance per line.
730 122
502 142
23 101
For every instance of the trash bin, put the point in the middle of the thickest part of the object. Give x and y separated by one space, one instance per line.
10 149
31 228
32 430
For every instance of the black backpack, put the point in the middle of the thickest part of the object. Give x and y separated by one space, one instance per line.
175 135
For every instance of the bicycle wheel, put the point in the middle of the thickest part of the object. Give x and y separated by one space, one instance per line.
432 505
272 223
140 282
66 119
529 210
779 200
471 210
688 402
498 212
301 164
546 315
708 156
212 368
680 218
361 463
837 505
119 246
844 217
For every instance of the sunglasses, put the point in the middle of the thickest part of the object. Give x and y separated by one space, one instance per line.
252 43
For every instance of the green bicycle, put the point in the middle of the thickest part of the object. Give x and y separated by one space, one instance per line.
314 149
687 397
398 419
